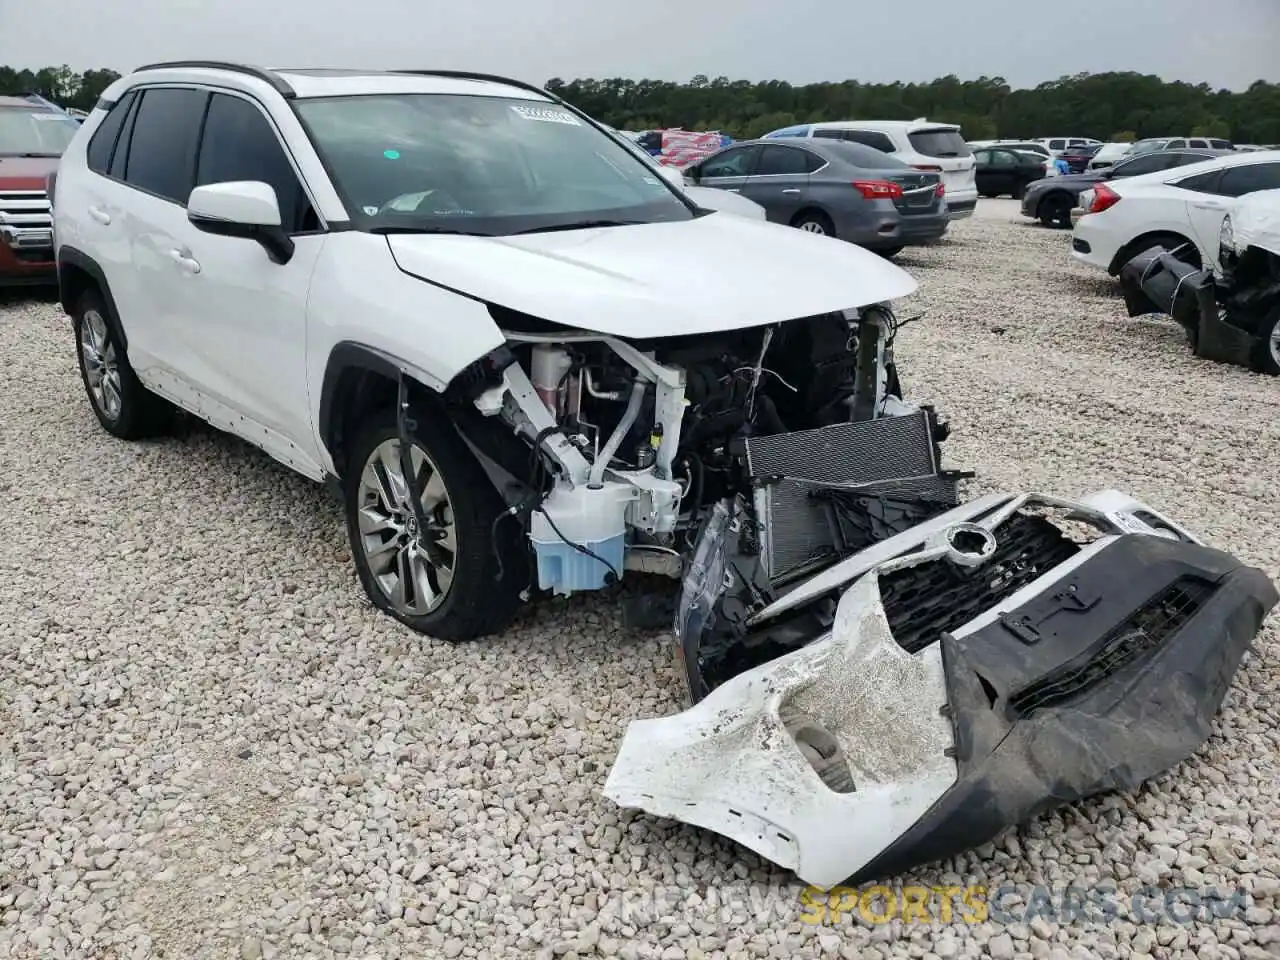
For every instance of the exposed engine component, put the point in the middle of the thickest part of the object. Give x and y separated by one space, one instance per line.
631 441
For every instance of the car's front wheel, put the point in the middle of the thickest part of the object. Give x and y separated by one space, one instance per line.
450 579
125 408
1267 359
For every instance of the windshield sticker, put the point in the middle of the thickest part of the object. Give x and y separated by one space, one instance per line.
391 154
546 115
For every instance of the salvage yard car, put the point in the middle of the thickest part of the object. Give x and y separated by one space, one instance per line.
527 363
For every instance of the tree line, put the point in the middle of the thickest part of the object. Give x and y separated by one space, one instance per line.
1108 106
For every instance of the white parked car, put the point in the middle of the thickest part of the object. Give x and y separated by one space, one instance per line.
1183 207
925 145
1108 155
1057 146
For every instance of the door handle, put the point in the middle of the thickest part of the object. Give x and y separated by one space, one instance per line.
100 215
189 264
735 190
792 191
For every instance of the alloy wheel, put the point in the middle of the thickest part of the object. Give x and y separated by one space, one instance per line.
413 568
812 226
1274 345
101 368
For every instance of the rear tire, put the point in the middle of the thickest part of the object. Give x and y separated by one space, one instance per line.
889 252
125 408
815 221
448 584
1188 254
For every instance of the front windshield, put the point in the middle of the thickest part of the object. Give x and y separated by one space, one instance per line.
34 133
494 166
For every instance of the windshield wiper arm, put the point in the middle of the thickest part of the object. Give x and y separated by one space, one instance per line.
580 225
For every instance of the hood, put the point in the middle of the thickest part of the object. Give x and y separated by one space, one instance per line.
717 272
26 173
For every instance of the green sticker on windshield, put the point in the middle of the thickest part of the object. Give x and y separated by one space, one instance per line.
391 154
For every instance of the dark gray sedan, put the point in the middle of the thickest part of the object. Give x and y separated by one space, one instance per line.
833 187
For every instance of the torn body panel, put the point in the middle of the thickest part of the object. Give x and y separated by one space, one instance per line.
967 673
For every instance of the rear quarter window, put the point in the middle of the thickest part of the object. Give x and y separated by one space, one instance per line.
939 143
872 158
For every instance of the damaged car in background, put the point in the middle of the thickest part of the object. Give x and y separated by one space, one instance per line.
1231 314
529 364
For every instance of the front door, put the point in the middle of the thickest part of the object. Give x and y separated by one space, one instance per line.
247 314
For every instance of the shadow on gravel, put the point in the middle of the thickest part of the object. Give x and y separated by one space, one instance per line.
23 296
1083 285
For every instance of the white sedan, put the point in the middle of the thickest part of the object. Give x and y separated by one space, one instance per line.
1179 208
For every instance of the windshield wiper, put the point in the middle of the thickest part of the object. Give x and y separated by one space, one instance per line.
387 230
580 225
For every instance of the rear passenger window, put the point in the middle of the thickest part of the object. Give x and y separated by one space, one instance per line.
783 160
241 144
1239 181
1220 145
869 138
103 142
1202 182
162 150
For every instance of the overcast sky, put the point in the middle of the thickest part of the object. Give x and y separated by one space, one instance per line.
1223 42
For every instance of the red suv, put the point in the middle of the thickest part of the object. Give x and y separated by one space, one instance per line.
32 138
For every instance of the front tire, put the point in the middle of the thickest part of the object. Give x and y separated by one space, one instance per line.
125 408
1267 357
446 583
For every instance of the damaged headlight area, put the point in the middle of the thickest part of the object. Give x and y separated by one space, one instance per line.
952 673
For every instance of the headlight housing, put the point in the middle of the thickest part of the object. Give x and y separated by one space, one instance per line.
1227 236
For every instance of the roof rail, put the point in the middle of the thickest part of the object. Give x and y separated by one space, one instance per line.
276 81
489 77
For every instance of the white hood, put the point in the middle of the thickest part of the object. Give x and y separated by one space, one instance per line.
717 272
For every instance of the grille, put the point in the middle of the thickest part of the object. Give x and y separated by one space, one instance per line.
25 208
890 448
1147 629
927 600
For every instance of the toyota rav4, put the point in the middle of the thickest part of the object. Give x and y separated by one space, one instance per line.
527 362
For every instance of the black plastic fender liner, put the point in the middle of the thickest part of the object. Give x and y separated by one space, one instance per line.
1087 708
67 293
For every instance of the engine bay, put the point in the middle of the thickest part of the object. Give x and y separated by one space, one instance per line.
632 442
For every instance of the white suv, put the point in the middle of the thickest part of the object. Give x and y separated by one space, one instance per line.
522 357
937 147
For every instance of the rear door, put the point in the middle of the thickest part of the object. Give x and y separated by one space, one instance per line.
1210 197
780 180
157 165
727 170
945 152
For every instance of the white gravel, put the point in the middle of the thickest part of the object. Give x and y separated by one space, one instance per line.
210 746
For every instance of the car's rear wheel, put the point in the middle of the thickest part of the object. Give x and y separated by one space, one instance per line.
889 252
458 579
815 221
125 408
1055 210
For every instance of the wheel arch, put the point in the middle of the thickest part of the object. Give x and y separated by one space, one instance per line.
811 208
78 273
1144 240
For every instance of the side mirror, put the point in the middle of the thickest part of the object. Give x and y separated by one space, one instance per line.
692 173
672 176
241 208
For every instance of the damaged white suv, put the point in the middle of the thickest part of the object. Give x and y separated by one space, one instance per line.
528 362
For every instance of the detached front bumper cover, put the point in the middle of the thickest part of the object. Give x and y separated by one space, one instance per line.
980 669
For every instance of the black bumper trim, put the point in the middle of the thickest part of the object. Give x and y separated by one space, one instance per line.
1147 716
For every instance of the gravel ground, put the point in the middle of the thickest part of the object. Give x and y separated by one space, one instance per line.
212 747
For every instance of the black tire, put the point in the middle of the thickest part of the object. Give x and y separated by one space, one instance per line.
125 408
1055 210
1266 358
484 592
889 252
815 221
